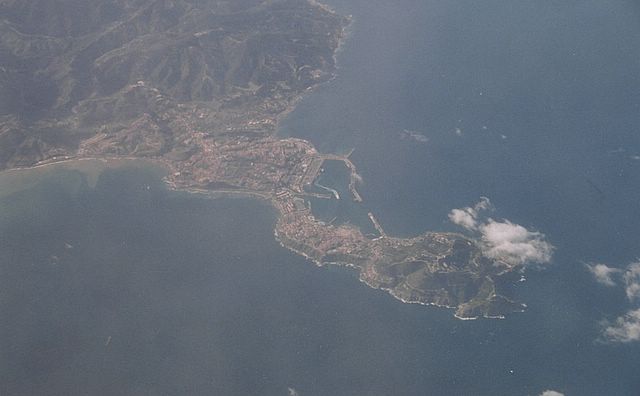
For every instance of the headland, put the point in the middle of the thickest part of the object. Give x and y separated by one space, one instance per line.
202 91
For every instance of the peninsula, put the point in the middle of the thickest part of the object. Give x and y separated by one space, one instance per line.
200 86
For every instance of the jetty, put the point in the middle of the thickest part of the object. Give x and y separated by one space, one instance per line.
377 225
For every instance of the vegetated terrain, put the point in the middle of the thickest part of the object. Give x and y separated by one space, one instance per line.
200 86
90 77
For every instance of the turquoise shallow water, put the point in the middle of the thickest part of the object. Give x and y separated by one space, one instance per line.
126 288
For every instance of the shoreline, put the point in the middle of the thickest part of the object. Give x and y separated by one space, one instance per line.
345 34
72 160
291 243
116 162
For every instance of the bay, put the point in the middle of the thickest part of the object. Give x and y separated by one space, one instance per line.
110 284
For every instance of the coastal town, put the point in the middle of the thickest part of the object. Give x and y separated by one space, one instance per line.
204 98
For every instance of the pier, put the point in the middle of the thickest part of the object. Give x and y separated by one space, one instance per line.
355 177
335 193
377 225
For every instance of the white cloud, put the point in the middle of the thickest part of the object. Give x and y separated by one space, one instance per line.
632 281
514 244
603 273
468 217
503 240
551 393
292 392
484 204
625 329
464 218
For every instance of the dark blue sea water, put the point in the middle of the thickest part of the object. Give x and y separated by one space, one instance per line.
533 104
127 288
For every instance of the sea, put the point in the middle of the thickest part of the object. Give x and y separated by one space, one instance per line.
112 284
